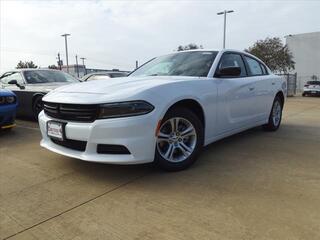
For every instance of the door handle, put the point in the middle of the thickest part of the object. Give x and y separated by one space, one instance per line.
251 88
273 83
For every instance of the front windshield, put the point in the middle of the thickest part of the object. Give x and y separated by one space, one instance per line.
194 63
47 76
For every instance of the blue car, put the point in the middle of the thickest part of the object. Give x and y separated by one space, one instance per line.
8 107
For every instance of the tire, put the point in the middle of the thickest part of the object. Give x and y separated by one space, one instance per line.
275 116
37 107
178 148
304 94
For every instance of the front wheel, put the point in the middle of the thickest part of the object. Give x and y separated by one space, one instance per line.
179 140
37 107
275 115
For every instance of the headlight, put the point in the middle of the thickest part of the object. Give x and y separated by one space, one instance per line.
7 100
10 99
124 109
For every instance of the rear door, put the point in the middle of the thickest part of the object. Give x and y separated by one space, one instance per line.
235 95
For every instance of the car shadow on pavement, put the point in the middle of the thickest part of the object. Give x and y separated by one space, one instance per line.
95 169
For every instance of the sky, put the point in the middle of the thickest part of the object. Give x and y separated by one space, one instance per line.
114 34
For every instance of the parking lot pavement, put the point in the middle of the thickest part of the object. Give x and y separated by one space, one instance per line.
255 185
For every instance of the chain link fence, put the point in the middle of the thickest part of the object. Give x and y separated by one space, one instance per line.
291 80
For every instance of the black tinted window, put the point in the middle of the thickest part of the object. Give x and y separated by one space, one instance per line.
233 60
313 82
254 66
264 70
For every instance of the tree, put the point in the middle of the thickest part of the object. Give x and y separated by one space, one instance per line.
26 64
53 66
189 47
314 78
274 53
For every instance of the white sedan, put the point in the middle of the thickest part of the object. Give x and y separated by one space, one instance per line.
165 111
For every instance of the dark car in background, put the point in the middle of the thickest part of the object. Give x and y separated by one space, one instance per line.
8 106
30 85
103 75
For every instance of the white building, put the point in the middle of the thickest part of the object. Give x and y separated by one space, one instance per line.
305 48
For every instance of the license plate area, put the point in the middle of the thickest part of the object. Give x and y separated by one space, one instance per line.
56 130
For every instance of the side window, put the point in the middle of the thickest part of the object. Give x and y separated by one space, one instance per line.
233 60
18 77
264 69
5 78
12 76
254 66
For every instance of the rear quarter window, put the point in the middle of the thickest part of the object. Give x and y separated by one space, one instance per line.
254 66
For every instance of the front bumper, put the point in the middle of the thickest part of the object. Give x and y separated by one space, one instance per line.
7 116
137 134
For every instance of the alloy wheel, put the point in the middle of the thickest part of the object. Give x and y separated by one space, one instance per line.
276 113
176 140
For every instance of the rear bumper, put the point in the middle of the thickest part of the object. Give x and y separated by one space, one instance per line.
311 92
7 116
137 134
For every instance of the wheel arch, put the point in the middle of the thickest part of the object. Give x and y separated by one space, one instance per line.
192 105
35 95
281 96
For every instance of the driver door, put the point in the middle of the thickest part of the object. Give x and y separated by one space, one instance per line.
235 96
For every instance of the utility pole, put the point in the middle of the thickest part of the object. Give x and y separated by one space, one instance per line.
66 44
59 61
77 65
224 25
137 64
85 69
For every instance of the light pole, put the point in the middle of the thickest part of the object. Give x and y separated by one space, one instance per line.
224 25
66 44
77 65
85 69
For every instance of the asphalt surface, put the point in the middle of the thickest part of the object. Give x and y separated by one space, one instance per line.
255 185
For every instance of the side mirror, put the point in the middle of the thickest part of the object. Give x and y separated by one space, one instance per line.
16 83
13 82
229 72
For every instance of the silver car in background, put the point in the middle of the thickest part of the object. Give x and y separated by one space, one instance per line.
30 85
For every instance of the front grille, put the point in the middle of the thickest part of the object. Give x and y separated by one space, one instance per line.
72 144
72 112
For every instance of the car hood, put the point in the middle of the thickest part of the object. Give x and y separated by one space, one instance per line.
113 89
5 92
